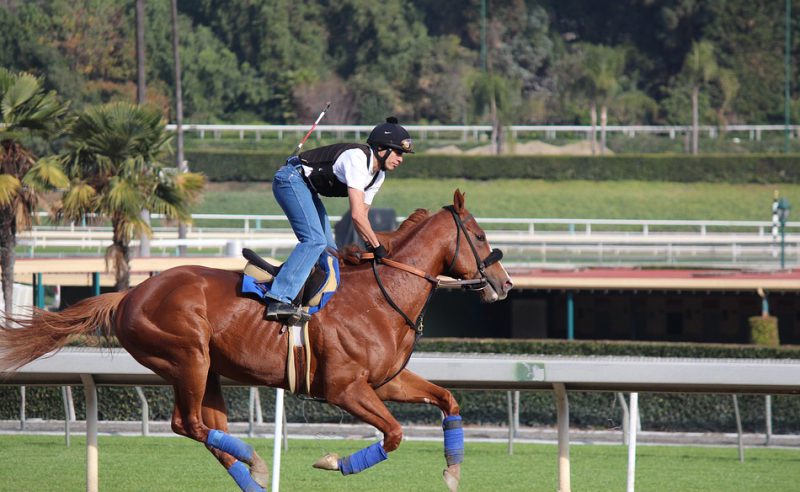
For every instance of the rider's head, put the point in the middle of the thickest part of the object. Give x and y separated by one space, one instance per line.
389 141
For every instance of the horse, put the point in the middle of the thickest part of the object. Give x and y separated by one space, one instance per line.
191 326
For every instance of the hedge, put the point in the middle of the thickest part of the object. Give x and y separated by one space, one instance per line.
750 168
667 412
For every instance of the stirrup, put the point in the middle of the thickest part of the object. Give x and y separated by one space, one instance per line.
288 313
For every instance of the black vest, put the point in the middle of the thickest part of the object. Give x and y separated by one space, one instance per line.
321 160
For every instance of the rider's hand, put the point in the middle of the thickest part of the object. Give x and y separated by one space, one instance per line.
379 252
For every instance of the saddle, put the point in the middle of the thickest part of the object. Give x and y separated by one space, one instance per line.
320 285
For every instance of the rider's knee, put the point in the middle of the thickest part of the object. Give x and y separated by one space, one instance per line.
317 244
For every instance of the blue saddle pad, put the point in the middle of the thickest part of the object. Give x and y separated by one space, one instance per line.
326 262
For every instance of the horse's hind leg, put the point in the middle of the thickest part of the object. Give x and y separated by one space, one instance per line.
215 416
408 387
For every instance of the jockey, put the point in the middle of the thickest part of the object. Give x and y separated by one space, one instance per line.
356 171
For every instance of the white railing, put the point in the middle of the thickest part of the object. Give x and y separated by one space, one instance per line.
645 227
464 132
526 241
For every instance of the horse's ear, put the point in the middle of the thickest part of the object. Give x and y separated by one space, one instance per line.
458 200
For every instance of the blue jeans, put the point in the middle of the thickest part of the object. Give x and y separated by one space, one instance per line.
310 223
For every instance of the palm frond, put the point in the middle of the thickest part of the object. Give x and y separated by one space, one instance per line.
191 184
77 201
123 198
46 174
9 189
17 94
167 199
6 79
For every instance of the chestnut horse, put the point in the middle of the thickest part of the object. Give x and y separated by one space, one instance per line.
191 326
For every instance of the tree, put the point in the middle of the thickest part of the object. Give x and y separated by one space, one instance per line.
27 111
495 93
729 87
113 162
699 68
604 67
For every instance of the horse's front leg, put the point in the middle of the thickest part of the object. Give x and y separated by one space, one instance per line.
359 399
408 387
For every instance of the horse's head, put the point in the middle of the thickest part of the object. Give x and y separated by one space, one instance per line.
472 258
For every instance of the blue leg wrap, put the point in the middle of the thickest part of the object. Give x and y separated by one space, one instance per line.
363 459
241 475
453 439
231 445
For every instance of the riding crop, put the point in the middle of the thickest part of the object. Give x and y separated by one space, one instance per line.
321 115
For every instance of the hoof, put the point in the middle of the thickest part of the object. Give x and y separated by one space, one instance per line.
328 462
260 473
452 476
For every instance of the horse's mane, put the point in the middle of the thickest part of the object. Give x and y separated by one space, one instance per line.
351 254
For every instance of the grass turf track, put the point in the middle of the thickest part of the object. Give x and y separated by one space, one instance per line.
172 464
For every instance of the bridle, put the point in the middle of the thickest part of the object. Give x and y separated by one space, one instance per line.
494 256
468 284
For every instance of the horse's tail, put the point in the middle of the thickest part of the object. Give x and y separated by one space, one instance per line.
28 337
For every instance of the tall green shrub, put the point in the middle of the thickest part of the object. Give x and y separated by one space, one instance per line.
764 331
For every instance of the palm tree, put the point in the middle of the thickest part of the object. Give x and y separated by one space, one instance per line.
27 111
492 92
601 70
729 87
699 68
606 66
113 163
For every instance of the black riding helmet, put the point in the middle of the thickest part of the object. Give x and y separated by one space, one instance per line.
390 135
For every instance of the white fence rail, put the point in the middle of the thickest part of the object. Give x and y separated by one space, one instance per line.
249 222
465 132
526 240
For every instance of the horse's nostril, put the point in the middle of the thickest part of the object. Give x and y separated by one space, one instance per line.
507 285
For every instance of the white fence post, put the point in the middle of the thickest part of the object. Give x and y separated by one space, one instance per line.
562 409
632 441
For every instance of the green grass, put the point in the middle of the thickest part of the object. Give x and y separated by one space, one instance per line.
168 464
534 198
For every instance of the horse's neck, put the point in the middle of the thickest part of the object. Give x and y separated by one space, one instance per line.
425 247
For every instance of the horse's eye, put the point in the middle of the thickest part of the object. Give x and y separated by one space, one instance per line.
480 237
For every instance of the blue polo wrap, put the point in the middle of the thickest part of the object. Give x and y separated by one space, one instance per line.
453 439
229 444
363 459
241 474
